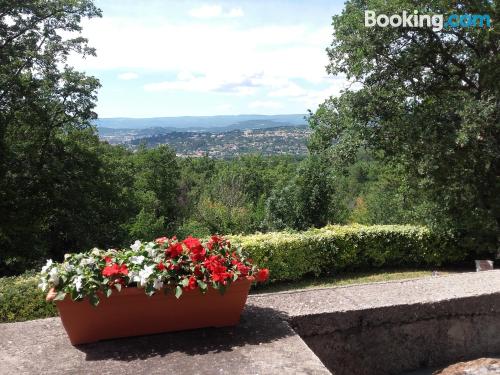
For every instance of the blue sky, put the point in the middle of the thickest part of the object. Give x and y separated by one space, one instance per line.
191 58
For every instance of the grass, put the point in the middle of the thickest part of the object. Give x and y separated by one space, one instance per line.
350 278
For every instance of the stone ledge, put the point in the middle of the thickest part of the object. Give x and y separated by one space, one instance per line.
263 343
350 328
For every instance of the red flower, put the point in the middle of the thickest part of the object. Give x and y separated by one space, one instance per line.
215 240
172 266
111 270
262 275
212 262
198 254
161 266
197 271
219 273
174 250
221 277
161 240
192 243
124 269
192 284
107 260
243 269
197 250
114 270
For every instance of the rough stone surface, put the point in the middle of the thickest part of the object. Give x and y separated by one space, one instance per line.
263 343
381 328
389 328
480 366
383 294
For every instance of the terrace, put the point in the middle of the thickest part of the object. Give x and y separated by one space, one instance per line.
380 328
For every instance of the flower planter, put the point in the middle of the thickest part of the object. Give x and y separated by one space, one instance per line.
132 313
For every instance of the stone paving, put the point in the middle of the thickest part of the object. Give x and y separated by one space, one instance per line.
263 343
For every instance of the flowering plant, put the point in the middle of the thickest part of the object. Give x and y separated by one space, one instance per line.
166 264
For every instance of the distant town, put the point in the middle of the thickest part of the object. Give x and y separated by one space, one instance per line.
290 140
252 136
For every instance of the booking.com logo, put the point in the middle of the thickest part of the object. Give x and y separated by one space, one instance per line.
436 21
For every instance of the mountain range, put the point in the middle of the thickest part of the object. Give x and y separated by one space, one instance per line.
199 123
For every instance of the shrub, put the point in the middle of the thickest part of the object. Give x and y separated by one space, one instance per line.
289 256
21 299
292 255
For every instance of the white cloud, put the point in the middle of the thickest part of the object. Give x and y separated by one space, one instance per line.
224 107
212 83
312 98
290 89
280 52
281 61
235 12
213 11
128 76
265 104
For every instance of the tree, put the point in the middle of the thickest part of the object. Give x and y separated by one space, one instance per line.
309 199
156 188
43 104
429 103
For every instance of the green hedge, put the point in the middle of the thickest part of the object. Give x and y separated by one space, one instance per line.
289 256
20 299
293 255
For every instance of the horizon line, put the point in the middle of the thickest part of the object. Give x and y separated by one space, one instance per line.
241 114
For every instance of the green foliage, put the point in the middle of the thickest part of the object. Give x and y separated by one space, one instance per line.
230 196
193 228
308 199
21 299
45 108
417 144
289 256
428 105
156 188
293 255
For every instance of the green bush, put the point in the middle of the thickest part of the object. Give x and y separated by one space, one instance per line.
289 256
21 299
293 255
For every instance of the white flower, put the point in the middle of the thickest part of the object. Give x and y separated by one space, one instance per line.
47 266
136 245
78 283
150 248
54 276
43 285
137 259
68 267
87 262
134 276
145 273
96 251
158 284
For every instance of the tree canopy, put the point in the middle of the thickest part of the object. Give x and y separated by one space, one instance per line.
428 105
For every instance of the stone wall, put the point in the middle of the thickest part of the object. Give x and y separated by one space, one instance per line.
395 339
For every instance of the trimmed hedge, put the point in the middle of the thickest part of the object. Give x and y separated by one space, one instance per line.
21 299
289 256
293 255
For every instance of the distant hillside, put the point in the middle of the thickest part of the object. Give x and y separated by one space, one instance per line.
284 140
203 122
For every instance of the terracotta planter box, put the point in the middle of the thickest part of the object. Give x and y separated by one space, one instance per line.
132 313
